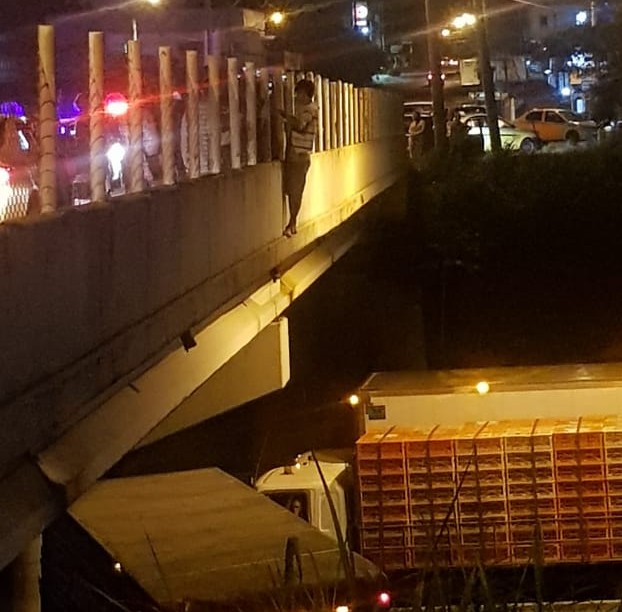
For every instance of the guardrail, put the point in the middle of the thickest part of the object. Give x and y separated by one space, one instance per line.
223 120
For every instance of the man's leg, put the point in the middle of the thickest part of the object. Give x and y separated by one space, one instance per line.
295 178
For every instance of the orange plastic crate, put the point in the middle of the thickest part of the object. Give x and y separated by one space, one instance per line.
389 537
391 560
548 552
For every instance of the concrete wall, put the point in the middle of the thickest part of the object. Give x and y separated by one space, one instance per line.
93 295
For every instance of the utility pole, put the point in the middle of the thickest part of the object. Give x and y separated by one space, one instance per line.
436 84
487 77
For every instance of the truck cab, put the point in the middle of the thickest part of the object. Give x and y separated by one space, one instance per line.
299 488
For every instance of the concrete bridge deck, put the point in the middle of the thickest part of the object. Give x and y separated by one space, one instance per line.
98 302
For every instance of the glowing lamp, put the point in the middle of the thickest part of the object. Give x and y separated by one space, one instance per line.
277 18
354 400
482 387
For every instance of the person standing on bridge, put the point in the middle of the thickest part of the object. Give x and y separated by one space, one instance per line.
415 139
301 128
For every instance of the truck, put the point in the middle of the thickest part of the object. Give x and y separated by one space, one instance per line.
472 469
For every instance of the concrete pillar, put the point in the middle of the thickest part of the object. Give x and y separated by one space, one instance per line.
319 99
192 112
26 573
135 117
233 88
340 113
264 137
97 143
326 105
351 111
251 113
47 118
166 116
213 114
334 140
347 117
278 104
357 118
290 82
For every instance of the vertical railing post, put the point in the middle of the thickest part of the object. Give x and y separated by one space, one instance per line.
213 114
339 113
326 106
351 112
166 116
264 130
333 115
135 117
47 118
365 114
346 114
233 88
251 114
290 83
278 104
319 98
192 112
97 143
357 117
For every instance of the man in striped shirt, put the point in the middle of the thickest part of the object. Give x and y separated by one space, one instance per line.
301 129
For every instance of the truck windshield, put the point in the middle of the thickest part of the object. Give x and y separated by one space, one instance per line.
297 502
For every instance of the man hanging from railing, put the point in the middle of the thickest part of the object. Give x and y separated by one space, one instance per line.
301 129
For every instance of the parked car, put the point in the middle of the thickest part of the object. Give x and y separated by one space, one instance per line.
17 167
525 141
557 124
468 108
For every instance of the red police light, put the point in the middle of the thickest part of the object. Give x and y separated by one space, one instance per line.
116 105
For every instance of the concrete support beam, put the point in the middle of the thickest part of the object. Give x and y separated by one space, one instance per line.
78 458
26 575
29 502
261 367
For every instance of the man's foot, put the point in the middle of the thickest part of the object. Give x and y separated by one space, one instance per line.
287 232
293 229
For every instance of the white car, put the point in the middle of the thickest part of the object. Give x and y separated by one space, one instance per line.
512 137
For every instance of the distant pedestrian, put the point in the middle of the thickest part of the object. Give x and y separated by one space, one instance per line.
457 132
416 131
301 129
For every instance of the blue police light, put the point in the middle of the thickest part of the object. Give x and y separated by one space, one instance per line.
12 109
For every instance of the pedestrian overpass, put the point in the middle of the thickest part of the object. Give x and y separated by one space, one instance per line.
131 318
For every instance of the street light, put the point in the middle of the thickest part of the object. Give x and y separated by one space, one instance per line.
464 21
436 84
135 23
276 18
467 20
